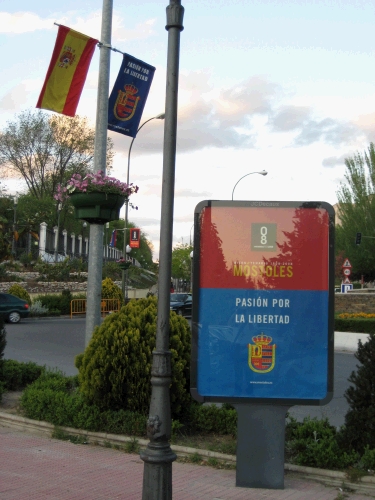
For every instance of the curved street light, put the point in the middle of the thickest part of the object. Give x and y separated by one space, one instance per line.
263 172
160 116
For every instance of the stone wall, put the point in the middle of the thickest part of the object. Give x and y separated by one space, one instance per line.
355 302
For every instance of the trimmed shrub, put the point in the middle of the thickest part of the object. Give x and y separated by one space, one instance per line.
211 419
115 369
17 375
56 303
356 325
111 291
56 399
359 429
20 292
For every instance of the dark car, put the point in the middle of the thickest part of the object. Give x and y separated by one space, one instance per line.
181 303
12 308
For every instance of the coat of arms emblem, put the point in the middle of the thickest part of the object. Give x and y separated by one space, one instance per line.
262 354
126 103
67 57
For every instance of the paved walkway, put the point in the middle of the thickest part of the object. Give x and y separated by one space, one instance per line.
38 468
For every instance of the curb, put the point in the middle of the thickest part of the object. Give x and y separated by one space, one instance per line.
365 485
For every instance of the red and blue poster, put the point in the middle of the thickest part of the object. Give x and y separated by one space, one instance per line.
262 302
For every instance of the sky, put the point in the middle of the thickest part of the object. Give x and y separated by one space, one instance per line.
286 86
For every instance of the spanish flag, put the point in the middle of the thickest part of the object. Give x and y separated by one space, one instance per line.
67 72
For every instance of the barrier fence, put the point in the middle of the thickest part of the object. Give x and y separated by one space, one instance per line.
78 306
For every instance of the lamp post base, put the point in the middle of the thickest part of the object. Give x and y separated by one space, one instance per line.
157 472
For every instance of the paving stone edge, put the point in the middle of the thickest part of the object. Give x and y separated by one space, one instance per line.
330 478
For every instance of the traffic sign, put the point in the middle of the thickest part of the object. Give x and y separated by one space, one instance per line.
346 287
347 263
347 271
346 281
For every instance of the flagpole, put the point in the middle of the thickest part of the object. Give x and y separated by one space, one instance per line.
94 280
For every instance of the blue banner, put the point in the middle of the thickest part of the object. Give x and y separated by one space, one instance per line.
129 95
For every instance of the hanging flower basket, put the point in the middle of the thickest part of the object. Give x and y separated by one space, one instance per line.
124 264
96 198
97 208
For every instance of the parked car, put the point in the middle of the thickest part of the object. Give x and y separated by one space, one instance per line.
181 303
13 308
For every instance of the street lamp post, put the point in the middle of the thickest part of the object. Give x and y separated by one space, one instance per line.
263 172
160 116
14 241
158 455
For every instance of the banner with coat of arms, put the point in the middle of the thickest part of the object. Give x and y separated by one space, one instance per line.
129 95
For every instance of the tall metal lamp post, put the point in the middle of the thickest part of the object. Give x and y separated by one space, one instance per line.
158 456
263 172
160 116
14 241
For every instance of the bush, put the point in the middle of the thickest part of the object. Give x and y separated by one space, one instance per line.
359 429
313 443
56 304
115 369
112 270
211 419
20 292
17 375
38 309
111 291
56 399
357 325
59 271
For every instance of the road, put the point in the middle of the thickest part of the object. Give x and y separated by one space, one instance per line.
55 342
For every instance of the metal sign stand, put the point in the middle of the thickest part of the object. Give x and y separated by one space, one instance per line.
260 445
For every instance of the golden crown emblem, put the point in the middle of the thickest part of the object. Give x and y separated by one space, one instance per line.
262 339
130 89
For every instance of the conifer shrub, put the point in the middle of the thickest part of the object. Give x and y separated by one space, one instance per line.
115 369
111 291
359 429
20 292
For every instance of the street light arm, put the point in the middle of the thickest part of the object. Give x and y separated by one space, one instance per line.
161 116
263 172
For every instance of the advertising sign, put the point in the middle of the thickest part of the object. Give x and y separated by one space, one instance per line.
135 237
263 302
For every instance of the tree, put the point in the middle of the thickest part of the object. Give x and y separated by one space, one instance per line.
181 262
356 213
44 150
359 429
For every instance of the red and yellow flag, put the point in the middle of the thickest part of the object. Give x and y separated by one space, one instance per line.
67 72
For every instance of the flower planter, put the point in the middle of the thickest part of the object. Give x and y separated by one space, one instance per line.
124 265
97 208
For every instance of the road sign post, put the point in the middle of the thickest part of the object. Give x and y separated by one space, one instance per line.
263 320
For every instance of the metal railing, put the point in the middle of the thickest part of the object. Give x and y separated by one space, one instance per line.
78 306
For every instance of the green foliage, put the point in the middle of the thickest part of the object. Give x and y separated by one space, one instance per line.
211 419
3 340
314 443
357 213
111 270
115 369
368 459
181 262
56 399
359 429
16 375
111 291
356 325
20 292
59 271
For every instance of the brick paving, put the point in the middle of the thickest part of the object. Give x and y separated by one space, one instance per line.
38 468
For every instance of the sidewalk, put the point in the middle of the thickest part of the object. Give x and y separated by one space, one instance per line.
348 342
38 468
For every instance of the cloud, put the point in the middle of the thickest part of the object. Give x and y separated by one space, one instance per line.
300 119
23 22
189 193
333 161
16 99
